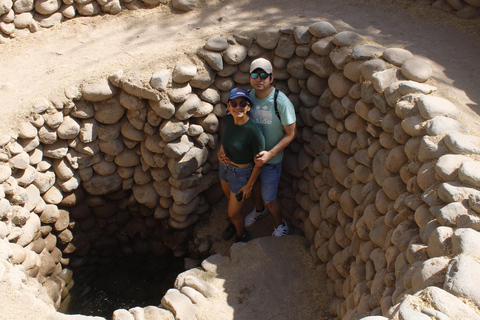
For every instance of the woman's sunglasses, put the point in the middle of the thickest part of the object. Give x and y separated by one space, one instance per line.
241 104
263 75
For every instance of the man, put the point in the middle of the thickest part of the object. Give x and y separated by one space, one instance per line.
279 129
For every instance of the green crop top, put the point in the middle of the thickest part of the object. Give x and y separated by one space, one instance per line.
242 142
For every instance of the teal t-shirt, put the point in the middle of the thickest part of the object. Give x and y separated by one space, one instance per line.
241 143
263 113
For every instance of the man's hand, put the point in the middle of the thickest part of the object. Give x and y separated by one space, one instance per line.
262 158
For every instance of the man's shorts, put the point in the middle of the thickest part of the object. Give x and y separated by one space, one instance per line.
237 177
269 179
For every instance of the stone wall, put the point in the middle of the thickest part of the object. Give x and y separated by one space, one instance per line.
21 17
382 178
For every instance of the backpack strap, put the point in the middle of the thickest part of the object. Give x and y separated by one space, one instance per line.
275 95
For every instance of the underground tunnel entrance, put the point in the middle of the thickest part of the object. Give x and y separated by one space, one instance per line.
127 282
119 255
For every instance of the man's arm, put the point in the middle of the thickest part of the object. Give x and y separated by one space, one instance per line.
290 133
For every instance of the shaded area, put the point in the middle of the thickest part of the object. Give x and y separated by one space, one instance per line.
127 283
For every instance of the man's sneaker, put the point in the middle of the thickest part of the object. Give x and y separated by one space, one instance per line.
253 216
229 232
281 230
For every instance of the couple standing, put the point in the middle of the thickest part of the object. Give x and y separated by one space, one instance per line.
260 124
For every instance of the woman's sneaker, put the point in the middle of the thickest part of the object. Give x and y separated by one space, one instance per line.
253 216
243 238
229 232
281 230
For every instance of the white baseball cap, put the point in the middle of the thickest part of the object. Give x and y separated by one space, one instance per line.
261 63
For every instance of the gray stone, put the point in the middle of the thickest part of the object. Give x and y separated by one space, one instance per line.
83 109
235 54
98 89
184 5
189 163
267 38
449 304
183 72
69 129
159 80
173 129
462 144
448 164
367 52
146 195
347 38
417 70
188 108
322 66
322 29
30 230
136 87
46 7
88 8
397 56
448 214
455 191
440 242
441 125
122 314
179 92
109 111
20 161
100 185
431 273
27 130
179 304
213 59
459 280
216 43
5 172
178 148
468 173
432 106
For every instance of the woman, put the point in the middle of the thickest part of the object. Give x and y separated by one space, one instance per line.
242 139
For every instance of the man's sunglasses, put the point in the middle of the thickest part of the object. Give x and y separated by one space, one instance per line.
241 104
263 75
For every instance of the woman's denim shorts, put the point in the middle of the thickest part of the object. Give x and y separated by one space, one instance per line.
237 177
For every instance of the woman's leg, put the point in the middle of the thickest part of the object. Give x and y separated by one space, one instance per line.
234 212
225 188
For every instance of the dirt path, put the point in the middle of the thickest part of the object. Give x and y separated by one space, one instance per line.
42 64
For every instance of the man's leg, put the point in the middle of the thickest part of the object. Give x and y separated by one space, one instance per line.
276 211
257 197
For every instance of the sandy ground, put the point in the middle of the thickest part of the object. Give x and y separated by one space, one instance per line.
42 64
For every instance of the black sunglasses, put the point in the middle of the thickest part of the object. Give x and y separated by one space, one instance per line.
263 75
241 104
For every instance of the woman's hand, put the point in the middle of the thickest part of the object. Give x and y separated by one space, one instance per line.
222 157
247 191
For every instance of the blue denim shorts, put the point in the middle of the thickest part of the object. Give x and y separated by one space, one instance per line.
269 178
237 177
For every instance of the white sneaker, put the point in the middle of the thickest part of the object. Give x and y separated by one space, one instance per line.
281 230
253 216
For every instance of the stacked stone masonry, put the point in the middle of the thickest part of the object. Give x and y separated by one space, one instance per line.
21 17
382 178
